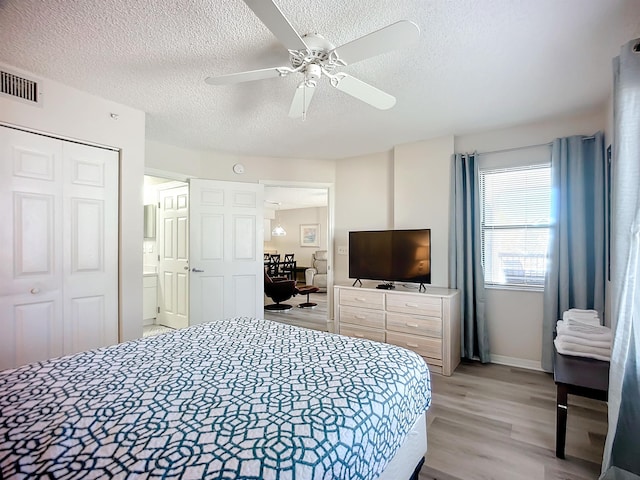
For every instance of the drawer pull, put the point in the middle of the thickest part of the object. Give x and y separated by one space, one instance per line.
412 305
360 299
412 345
359 335
360 317
412 325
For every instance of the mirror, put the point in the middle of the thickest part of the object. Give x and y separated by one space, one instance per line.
150 221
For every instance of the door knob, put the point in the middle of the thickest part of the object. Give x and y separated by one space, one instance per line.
35 290
196 270
186 267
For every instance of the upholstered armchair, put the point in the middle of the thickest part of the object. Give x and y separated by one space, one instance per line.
317 274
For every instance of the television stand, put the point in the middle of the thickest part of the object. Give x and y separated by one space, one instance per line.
386 286
427 323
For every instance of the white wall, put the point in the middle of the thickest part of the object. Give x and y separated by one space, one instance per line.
405 188
290 243
363 200
421 173
72 114
515 317
219 166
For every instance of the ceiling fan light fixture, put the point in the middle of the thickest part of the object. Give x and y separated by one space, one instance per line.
314 56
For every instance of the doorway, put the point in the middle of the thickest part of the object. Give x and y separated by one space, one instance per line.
299 222
166 254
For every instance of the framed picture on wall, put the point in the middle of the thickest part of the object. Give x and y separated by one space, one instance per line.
310 235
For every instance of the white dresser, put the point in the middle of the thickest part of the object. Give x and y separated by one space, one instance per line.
425 322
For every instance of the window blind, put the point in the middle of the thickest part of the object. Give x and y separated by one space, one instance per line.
515 222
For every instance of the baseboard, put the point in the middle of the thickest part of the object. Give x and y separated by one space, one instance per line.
516 362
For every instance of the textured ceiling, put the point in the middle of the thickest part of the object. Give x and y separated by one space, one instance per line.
478 65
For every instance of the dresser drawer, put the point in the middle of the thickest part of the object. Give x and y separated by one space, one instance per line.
362 298
427 326
361 332
415 305
424 346
364 317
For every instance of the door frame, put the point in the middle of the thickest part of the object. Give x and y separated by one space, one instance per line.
330 187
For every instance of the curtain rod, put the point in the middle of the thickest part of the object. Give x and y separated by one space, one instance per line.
548 144
517 148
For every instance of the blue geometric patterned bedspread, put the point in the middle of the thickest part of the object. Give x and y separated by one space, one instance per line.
233 399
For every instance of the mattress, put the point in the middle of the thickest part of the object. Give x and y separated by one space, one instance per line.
410 453
241 398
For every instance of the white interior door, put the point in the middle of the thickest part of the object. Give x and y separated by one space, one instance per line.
173 267
226 244
90 247
59 244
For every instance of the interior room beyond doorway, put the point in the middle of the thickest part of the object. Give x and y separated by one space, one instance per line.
296 224
165 257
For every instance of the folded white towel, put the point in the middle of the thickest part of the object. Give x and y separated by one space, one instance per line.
580 311
568 348
589 332
587 320
573 340
576 347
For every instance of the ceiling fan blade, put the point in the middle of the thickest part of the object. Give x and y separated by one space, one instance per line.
269 13
301 101
389 38
249 76
365 92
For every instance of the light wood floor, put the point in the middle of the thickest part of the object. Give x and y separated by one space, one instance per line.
315 318
497 422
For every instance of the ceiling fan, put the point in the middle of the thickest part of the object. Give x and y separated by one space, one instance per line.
314 57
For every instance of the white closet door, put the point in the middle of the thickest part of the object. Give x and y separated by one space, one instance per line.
30 248
90 254
55 238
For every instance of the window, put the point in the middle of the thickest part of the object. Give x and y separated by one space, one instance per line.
515 222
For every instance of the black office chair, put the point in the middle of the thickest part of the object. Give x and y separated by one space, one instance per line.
279 290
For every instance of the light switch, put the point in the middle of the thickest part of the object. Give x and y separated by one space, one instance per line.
343 250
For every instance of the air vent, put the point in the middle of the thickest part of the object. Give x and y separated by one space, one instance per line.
18 87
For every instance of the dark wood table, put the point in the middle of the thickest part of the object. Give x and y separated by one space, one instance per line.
300 273
576 376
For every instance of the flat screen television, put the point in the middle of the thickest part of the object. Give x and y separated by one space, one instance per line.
390 256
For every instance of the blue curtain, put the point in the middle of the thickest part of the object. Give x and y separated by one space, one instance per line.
465 256
623 437
576 274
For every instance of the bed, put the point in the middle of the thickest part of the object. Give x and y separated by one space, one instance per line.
241 398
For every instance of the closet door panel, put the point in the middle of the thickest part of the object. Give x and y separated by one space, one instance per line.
31 314
90 199
59 247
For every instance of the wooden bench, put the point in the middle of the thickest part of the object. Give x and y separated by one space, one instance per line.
576 376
